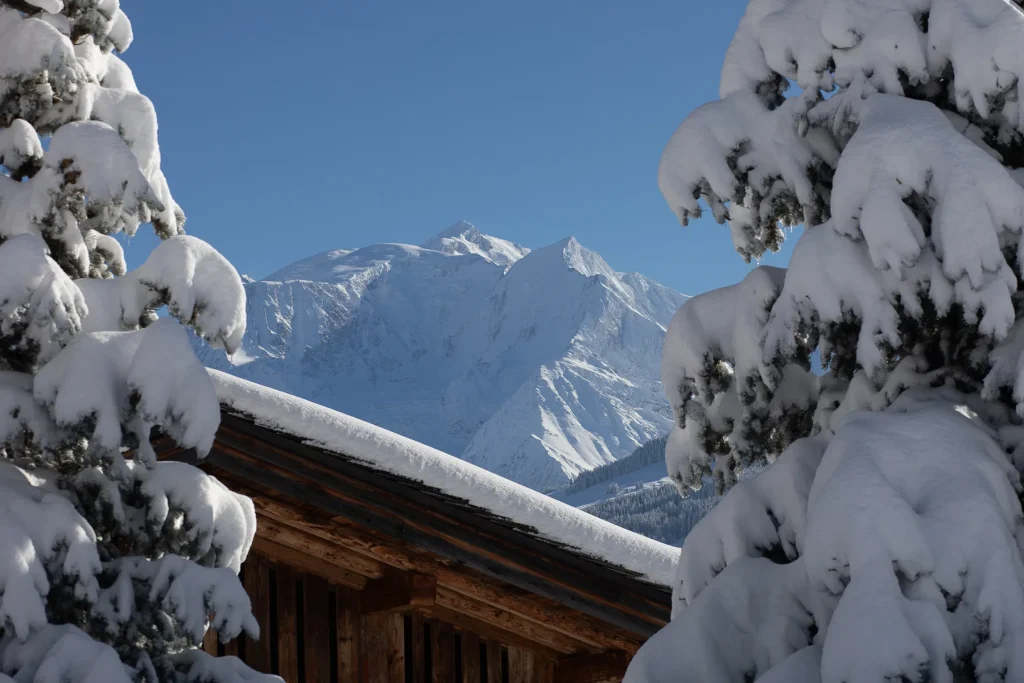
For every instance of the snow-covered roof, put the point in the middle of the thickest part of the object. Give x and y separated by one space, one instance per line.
385 451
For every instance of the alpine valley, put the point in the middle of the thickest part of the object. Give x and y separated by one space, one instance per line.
535 364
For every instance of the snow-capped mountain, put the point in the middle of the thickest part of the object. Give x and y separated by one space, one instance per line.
536 365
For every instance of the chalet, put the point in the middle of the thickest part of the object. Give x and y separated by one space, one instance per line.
380 560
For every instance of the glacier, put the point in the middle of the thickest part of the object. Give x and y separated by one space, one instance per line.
534 364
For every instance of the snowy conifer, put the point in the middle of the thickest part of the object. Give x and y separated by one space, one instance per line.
884 541
111 567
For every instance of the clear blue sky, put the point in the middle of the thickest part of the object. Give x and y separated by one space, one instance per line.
289 129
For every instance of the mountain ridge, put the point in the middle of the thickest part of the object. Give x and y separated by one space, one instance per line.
536 364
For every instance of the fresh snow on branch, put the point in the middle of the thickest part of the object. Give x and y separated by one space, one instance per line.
884 539
114 564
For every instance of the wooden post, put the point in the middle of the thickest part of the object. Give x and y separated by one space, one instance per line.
210 642
395 635
287 625
544 669
419 664
257 585
470 657
348 636
493 662
373 648
443 652
316 633
398 592
520 666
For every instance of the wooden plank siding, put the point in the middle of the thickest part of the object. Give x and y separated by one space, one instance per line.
358 576
373 648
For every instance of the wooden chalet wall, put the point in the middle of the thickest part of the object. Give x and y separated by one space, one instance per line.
314 631
358 575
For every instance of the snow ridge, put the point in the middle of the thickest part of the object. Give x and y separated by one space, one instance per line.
534 364
464 238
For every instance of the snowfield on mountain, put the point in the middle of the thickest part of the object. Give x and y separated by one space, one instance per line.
536 365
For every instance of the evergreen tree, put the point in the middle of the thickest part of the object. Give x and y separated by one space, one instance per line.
656 511
884 541
112 565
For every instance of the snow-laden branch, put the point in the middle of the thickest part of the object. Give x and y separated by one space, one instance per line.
61 653
88 182
909 551
39 527
107 385
84 81
889 47
218 524
751 166
759 160
732 403
198 286
41 309
185 590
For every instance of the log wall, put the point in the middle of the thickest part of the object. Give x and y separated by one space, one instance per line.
312 632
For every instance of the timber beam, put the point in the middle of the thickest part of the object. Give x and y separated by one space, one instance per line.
488 631
315 546
508 622
397 593
311 564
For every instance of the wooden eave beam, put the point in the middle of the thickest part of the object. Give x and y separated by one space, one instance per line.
350 539
311 564
302 541
535 633
398 592
488 631
603 667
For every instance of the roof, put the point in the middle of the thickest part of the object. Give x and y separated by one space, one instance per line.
458 483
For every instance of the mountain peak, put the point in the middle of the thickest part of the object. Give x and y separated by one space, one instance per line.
535 373
584 261
460 229
464 238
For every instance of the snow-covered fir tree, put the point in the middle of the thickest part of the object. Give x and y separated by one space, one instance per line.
112 565
884 541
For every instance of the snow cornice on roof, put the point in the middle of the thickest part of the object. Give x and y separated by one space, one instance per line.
384 451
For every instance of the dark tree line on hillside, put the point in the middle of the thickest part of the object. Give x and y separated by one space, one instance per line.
658 511
651 452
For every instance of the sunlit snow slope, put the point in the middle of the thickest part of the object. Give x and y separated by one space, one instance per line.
536 365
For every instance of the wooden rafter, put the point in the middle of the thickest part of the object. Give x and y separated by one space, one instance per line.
398 592
488 631
313 564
